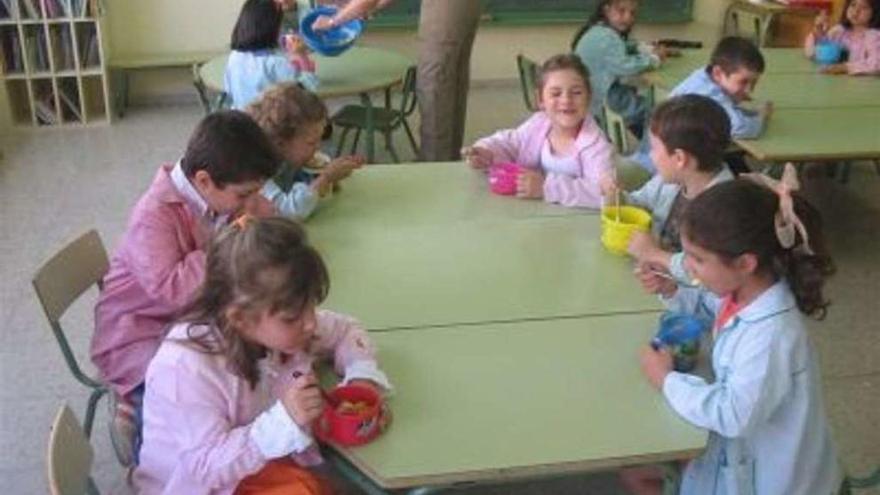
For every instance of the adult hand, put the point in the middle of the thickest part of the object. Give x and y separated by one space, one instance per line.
303 400
655 365
530 185
322 23
477 157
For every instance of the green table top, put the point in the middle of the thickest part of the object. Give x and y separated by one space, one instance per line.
361 69
416 194
505 401
802 134
475 272
777 61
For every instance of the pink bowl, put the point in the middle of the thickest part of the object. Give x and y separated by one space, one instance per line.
502 178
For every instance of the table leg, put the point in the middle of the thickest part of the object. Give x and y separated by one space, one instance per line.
371 142
352 473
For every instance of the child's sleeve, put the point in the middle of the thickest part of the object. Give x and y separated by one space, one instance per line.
506 145
648 195
757 380
167 272
620 62
870 62
584 191
745 124
354 355
214 453
298 203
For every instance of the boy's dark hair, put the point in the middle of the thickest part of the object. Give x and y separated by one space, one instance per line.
597 17
733 53
282 110
874 23
257 264
696 124
232 148
565 61
258 26
738 217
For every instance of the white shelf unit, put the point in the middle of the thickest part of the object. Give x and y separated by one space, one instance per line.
53 62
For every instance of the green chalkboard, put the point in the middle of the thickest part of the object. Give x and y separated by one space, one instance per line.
406 12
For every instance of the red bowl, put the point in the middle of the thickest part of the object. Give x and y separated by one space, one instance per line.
353 416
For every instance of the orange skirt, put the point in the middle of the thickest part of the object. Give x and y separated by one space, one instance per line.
283 477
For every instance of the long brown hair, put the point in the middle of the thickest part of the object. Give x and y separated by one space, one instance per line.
737 217
255 264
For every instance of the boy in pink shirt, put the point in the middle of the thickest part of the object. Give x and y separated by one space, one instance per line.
160 261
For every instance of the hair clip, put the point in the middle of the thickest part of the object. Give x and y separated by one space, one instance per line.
787 223
242 221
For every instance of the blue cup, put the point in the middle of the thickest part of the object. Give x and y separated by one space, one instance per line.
680 332
828 52
333 41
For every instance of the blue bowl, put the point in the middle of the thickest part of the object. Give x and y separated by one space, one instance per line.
333 41
680 332
828 52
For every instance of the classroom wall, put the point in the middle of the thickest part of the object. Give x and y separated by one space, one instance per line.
138 26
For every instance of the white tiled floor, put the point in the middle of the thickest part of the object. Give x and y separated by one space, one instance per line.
56 184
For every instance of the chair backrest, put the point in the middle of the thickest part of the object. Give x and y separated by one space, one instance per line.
528 81
747 24
201 90
69 457
615 128
62 279
408 92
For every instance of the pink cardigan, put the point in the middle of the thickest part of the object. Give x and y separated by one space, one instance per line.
864 50
156 269
199 417
523 146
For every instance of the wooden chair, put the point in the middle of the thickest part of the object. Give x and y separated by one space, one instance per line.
70 456
59 282
528 81
385 120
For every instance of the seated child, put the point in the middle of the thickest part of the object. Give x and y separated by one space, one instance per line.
567 157
734 68
768 431
255 63
231 393
160 261
858 32
688 136
604 46
294 119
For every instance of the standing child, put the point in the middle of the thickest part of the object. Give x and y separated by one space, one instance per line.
603 44
567 157
688 135
858 32
294 119
759 251
160 261
256 63
231 393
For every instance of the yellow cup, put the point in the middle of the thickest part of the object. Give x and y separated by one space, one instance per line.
618 225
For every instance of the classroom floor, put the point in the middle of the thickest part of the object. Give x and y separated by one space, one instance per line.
54 185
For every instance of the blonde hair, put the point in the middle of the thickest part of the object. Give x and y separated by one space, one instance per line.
256 264
284 109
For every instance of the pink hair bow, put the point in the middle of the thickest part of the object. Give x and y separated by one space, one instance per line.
787 223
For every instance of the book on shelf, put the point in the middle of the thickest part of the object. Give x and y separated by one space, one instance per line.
11 51
32 8
5 9
42 61
91 55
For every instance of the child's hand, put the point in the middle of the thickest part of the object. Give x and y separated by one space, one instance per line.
477 157
642 246
285 5
258 206
656 365
295 45
610 189
655 281
323 22
835 69
821 25
530 185
342 167
303 400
